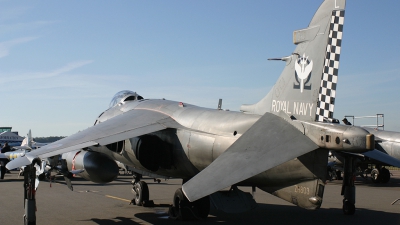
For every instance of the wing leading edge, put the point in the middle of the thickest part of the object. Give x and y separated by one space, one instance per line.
130 124
270 142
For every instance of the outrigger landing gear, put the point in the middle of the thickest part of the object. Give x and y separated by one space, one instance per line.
182 209
29 194
348 188
141 192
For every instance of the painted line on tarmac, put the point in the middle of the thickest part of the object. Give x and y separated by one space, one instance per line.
122 199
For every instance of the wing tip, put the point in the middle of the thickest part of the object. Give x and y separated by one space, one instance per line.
18 162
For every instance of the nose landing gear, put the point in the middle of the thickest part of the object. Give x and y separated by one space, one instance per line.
141 192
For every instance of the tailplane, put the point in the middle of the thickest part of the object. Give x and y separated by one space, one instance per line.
306 88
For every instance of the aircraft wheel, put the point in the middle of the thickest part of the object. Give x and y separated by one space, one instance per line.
375 175
202 207
385 175
348 208
182 209
141 191
26 222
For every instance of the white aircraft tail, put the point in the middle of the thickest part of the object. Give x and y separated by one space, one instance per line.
25 142
30 140
306 88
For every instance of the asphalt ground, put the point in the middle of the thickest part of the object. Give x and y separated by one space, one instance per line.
107 204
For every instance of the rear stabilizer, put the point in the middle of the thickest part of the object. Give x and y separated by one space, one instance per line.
306 88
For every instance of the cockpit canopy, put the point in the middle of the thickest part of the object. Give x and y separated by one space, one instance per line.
124 96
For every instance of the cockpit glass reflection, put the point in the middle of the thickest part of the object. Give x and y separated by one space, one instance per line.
123 96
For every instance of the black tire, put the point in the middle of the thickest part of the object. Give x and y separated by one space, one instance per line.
385 175
348 208
202 207
141 191
375 176
26 222
182 209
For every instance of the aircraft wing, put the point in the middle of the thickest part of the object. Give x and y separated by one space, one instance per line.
129 124
382 157
270 142
22 147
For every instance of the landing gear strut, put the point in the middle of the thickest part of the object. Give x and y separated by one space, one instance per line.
348 188
29 195
141 192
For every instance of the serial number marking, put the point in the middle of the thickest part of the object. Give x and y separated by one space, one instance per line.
301 189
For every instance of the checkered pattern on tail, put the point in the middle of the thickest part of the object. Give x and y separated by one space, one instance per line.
327 91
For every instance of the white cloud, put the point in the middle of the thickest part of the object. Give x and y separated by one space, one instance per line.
40 75
67 68
7 45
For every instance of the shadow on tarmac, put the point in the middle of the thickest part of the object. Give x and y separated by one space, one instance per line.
266 214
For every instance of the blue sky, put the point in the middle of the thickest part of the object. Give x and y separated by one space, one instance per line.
62 61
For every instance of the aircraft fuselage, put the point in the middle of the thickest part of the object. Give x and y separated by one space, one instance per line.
210 133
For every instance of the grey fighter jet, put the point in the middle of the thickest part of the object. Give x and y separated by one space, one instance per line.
279 144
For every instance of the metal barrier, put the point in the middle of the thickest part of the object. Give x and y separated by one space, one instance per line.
380 120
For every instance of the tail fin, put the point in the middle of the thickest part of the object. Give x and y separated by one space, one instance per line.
25 142
30 140
306 88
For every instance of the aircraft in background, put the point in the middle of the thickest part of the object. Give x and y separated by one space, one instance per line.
19 151
48 164
28 143
26 146
279 144
387 142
